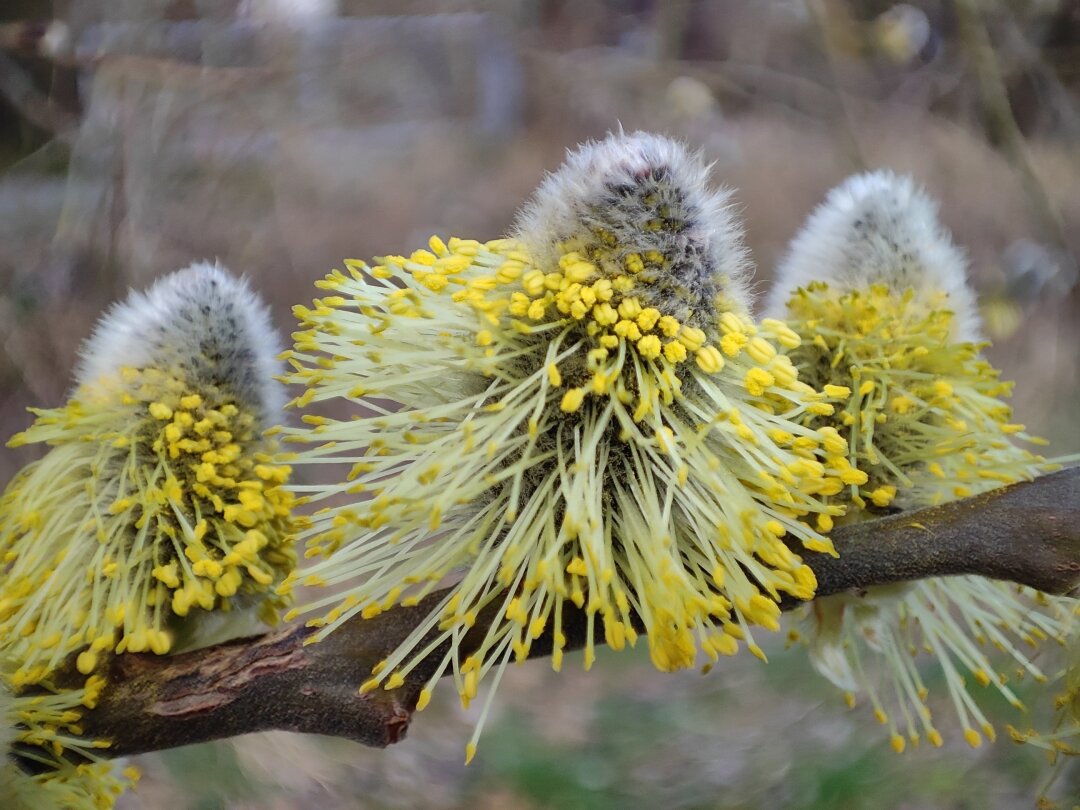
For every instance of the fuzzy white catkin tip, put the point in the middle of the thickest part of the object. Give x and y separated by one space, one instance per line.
201 323
646 192
879 228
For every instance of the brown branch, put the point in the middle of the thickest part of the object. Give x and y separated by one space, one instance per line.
1028 533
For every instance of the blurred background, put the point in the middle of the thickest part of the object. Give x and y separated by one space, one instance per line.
281 136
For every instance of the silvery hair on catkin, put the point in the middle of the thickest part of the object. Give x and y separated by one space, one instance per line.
201 323
879 228
627 183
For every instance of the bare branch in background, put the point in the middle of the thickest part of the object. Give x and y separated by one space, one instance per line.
19 90
829 21
1028 533
1001 126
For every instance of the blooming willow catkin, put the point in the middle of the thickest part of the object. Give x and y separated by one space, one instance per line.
584 414
878 291
158 499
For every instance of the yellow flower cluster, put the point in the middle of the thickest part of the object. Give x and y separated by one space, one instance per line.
154 499
923 417
561 442
922 412
158 495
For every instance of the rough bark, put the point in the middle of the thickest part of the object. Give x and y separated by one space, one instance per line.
1027 533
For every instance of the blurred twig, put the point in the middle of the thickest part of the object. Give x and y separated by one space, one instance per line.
830 25
20 92
670 22
1002 129
1028 533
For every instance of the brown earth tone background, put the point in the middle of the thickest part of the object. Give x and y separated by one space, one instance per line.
285 135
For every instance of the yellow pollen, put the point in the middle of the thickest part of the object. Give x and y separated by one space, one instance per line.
757 380
649 346
675 352
572 400
836 391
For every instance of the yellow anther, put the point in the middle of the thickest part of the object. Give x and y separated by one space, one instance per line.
579 272
669 326
537 309
836 391
627 329
883 495
833 443
649 347
760 350
757 380
519 305
732 343
853 477
730 323
605 314
692 338
675 352
785 336
629 308
602 289
572 400
708 359
647 318
533 283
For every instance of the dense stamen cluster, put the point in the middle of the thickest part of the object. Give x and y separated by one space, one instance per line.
888 331
592 421
158 495
151 502
922 412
